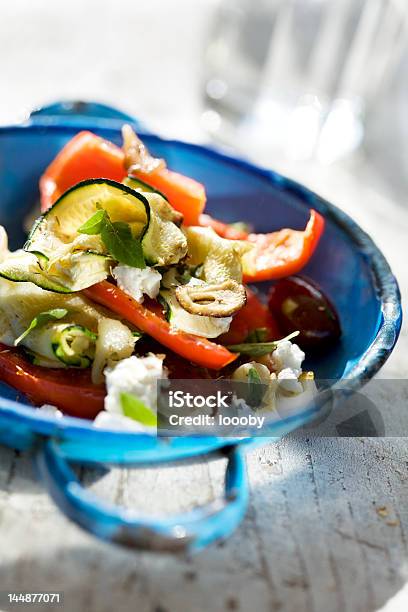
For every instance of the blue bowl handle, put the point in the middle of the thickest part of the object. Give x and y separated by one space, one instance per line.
190 531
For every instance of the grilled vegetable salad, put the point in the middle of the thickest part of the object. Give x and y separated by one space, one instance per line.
124 280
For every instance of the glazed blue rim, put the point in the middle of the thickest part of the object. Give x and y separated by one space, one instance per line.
385 282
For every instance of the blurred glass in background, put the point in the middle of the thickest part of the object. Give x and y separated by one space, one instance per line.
299 79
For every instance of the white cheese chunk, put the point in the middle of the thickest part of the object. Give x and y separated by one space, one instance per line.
137 376
288 381
137 281
288 355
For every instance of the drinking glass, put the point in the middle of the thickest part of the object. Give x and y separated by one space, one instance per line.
296 78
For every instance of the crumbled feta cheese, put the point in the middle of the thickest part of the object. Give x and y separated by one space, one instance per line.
137 281
288 355
50 410
117 422
288 381
135 375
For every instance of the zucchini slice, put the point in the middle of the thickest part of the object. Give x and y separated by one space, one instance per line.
81 270
25 267
62 345
68 275
65 256
139 185
179 318
59 225
163 242
73 345
70 261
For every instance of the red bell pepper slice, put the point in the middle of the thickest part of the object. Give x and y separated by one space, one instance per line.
223 229
184 193
199 350
254 315
276 254
282 253
72 391
88 156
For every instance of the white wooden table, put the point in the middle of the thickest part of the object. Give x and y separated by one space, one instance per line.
327 525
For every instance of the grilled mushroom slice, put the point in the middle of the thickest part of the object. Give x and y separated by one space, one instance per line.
137 156
216 300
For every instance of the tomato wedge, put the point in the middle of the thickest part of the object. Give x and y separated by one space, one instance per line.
282 253
71 390
199 350
88 156
254 315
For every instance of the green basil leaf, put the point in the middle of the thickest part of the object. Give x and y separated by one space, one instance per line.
257 349
135 409
118 239
256 389
95 224
42 319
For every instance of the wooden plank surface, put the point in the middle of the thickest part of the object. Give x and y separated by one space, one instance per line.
326 530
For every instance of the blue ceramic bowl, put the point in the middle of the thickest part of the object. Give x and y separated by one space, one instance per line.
347 264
